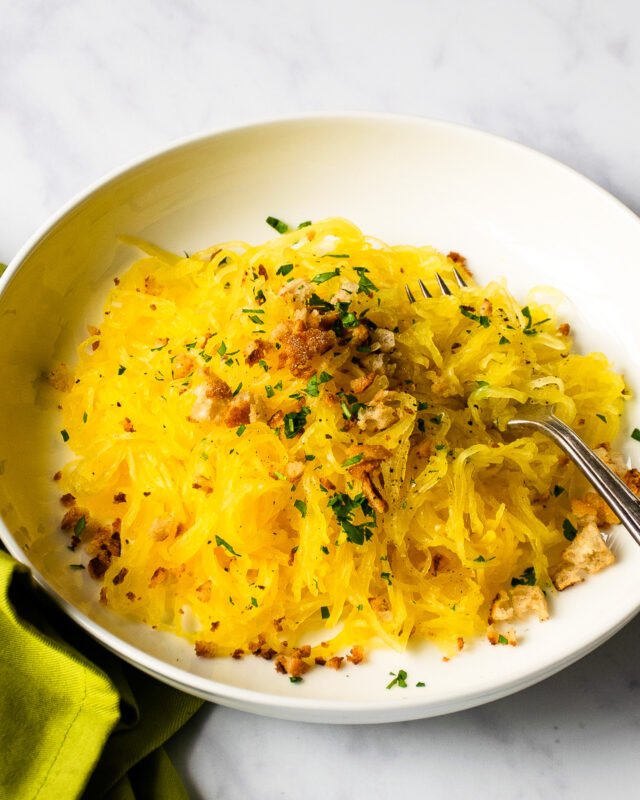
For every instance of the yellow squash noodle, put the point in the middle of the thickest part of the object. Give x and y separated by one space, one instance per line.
236 532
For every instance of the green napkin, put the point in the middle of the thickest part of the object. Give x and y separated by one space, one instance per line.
74 718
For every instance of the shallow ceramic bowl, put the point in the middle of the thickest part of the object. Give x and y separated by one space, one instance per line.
511 211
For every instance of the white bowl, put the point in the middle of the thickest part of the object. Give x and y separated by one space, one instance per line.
511 211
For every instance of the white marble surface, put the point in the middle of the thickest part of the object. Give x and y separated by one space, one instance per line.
85 86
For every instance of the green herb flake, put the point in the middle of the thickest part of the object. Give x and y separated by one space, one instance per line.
386 576
558 490
635 434
294 422
76 566
310 457
254 602
503 340
305 224
569 530
502 639
317 302
65 435
297 679
80 525
277 224
467 311
325 550
323 277
602 417
399 680
285 269
302 507
528 578
240 430
269 390
422 406
262 363
121 369
344 507
222 349
279 475
85 417
324 612
237 389
353 460
481 384
312 387
365 285
221 543
420 684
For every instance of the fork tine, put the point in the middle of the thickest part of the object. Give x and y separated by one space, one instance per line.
443 286
423 289
461 281
412 299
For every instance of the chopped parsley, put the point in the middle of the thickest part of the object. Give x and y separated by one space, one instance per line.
277 224
309 458
221 543
285 269
503 340
420 684
386 576
528 578
222 349
240 430
260 297
121 369
502 639
76 566
263 364
467 311
317 302
324 612
85 417
65 435
569 530
399 680
345 507
302 507
323 277
422 406
325 550
365 285
312 388
353 460
296 679
80 525
294 422
602 417
269 390
558 490
305 224
254 602
237 389
635 434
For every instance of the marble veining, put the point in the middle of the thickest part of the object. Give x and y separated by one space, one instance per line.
87 86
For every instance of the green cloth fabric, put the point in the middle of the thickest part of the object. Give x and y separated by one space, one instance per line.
76 721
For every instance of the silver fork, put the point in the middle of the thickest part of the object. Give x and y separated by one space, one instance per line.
541 418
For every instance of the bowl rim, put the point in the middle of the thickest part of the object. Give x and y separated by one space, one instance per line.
262 701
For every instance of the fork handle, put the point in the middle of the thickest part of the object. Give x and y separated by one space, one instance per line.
603 479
